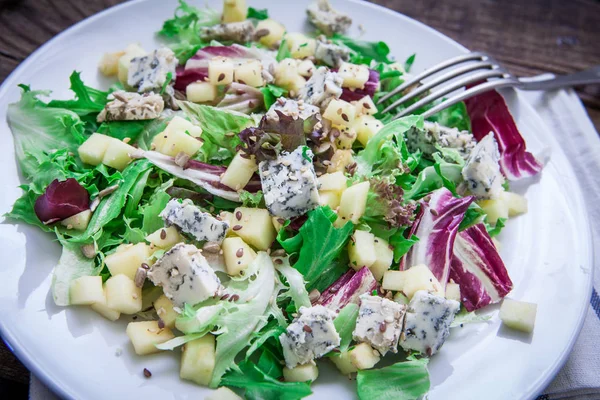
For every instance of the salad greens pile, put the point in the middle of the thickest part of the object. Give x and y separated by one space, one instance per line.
373 224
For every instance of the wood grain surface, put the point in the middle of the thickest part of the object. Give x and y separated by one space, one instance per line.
529 37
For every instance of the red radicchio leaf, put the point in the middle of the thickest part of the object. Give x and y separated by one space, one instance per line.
348 289
61 200
187 76
369 90
489 113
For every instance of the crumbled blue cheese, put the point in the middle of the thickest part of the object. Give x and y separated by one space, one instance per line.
331 54
185 275
379 323
191 220
326 18
149 72
310 336
427 322
129 106
322 87
239 32
289 183
308 113
482 170
435 134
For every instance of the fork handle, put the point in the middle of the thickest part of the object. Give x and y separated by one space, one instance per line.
589 76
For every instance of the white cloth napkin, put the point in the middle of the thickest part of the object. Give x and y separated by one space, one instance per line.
564 114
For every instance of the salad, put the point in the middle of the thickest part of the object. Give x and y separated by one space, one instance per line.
237 194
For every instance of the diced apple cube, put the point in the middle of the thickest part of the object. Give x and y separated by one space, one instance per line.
328 198
340 112
412 280
354 76
518 315
101 308
122 295
365 106
453 291
301 373
361 249
277 223
366 127
79 221
354 202
385 257
198 360
335 181
340 160
118 154
275 29
178 124
223 393
145 335
164 310
227 217
179 136
286 71
234 11
109 63
201 92
300 45
343 362
220 71
86 291
516 203
239 172
495 209
364 356
238 255
93 149
346 138
306 68
127 260
249 73
165 238
295 85
131 51
254 226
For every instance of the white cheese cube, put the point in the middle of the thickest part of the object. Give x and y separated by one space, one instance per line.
322 87
363 356
300 45
165 311
366 127
145 335
220 71
301 373
354 76
198 360
165 238
385 257
289 183
331 54
238 255
482 170
340 112
86 290
122 295
191 220
185 276
427 322
410 281
201 92
310 336
273 29
127 259
102 308
361 249
365 106
93 149
249 73
379 323
118 154
353 202
239 172
255 226
518 315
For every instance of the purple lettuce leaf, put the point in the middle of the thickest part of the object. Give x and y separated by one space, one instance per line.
436 229
478 269
348 289
489 113
369 89
61 200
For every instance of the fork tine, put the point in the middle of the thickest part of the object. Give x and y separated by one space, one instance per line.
448 89
443 65
474 91
455 73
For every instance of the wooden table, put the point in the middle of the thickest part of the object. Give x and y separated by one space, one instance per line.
529 37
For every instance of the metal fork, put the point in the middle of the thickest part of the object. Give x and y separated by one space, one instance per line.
481 70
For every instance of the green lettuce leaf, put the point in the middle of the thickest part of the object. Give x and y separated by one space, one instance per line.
251 199
363 52
442 174
150 210
401 244
408 380
283 52
455 116
295 281
473 216
271 93
495 230
257 14
465 317
344 323
87 100
23 210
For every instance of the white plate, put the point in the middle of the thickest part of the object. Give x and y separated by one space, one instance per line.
547 251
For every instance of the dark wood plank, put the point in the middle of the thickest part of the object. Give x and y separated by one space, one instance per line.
10 368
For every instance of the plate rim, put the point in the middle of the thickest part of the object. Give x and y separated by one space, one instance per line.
63 390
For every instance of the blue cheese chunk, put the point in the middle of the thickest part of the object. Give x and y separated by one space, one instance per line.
129 106
191 220
322 87
149 72
482 171
185 275
239 32
326 18
310 336
434 135
427 322
308 113
289 183
379 323
331 54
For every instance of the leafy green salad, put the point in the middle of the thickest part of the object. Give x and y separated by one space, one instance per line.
237 194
